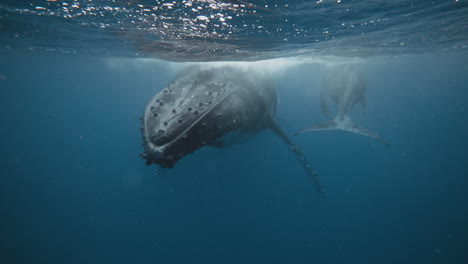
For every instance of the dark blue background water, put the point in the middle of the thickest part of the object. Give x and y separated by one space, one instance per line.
74 190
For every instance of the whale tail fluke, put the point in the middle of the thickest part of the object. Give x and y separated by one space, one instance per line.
360 130
330 125
346 125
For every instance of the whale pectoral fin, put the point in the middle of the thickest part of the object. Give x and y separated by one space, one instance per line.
323 126
360 130
300 157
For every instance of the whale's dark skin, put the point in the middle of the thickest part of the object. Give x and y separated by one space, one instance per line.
203 105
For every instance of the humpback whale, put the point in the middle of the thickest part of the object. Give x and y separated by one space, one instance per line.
344 86
205 105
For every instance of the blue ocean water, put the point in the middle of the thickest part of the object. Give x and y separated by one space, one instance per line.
74 189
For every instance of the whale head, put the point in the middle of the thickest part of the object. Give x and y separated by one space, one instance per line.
201 106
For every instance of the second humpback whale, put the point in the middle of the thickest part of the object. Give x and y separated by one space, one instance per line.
203 107
344 86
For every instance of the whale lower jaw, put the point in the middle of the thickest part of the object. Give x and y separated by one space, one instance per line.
155 154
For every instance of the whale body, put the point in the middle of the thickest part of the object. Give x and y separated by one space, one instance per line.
203 106
344 86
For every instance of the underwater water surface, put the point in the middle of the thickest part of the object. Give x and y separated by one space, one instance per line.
74 190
